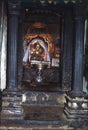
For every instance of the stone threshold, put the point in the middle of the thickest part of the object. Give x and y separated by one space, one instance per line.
44 125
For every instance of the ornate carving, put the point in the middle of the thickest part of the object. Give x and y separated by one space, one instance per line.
44 98
76 106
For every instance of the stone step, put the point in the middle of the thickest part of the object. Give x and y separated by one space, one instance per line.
66 124
44 128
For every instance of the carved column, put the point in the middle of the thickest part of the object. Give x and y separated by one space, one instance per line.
67 48
12 97
76 101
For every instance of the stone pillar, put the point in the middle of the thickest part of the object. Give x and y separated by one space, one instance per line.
67 47
13 15
76 101
79 46
12 97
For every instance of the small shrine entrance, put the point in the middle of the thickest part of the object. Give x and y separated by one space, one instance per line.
45 47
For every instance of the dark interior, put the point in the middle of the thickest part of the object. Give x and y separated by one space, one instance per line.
51 19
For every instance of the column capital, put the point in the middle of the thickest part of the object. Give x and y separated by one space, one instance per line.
79 11
14 7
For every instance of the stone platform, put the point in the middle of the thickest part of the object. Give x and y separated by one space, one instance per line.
43 118
37 111
43 125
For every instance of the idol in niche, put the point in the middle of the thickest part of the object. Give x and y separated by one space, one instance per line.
40 51
37 53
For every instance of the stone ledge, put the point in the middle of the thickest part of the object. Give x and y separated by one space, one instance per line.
44 125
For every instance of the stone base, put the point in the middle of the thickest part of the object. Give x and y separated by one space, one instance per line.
13 108
11 105
76 106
